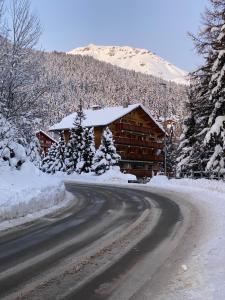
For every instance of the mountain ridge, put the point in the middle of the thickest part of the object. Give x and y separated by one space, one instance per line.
136 59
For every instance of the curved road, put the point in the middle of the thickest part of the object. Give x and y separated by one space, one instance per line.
30 252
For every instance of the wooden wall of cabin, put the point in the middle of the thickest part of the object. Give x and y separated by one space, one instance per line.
138 140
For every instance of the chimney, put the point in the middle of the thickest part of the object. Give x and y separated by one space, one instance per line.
126 104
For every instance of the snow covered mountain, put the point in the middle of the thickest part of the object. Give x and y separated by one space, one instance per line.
139 60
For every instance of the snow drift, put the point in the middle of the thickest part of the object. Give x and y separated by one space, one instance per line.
27 190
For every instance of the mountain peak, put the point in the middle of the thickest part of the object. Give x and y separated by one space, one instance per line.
136 59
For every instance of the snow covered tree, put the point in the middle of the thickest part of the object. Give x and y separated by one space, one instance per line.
106 156
11 149
170 150
215 137
20 92
54 161
47 162
33 151
75 145
206 151
100 164
88 152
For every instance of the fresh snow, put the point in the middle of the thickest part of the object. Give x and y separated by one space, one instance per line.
216 128
201 274
28 191
113 176
100 117
139 60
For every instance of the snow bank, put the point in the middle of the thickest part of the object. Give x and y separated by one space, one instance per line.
27 191
206 184
159 180
114 175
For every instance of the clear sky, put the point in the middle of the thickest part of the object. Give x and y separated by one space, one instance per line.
160 26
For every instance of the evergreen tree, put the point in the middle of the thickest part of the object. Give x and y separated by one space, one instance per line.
100 164
88 152
106 156
205 146
110 150
33 151
75 145
55 159
170 150
215 137
48 161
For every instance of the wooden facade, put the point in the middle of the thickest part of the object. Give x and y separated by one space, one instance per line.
139 141
45 141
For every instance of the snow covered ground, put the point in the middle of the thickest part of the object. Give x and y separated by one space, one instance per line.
27 194
114 176
201 274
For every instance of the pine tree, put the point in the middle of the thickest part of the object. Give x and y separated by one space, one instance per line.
215 137
55 159
75 144
59 163
205 151
106 156
110 150
100 164
170 150
33 151
48 161
88 152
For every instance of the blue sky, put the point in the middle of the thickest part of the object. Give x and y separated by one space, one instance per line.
160 26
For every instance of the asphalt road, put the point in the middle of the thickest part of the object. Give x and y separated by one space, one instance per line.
32 250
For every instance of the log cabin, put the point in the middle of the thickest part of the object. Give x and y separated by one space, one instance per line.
137 135
45 141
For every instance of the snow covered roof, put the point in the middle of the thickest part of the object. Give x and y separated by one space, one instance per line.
101 117
46 134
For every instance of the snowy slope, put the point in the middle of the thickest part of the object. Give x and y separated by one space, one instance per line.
139 60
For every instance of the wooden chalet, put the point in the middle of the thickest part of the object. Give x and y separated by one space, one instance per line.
138 137
45 141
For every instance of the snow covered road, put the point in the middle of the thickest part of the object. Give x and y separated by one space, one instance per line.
32 255
115 242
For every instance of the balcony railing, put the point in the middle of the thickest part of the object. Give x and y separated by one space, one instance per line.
134 142
133 128
141 157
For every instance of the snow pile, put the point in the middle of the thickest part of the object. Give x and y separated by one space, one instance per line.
113 175
27 190
205 184
139 60
159 180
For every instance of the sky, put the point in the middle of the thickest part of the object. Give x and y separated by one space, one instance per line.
160 26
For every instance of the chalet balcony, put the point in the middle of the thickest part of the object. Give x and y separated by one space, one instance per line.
135 142
141 157
133 128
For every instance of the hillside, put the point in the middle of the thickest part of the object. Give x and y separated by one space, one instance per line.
139 60
70 78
